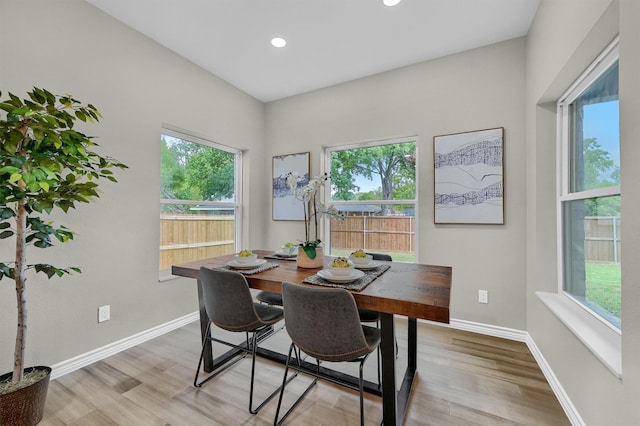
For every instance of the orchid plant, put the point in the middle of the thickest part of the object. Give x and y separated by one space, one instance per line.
313 208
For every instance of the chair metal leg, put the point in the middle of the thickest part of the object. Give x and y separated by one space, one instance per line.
213 374
285 381
251 347
379 360
362 392
253 368
278 421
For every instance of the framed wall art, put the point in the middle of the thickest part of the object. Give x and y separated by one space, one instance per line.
285 205
468 177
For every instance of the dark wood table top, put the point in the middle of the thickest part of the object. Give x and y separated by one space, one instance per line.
410 289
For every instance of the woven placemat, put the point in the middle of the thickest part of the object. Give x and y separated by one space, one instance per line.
275 256
256 270
357 285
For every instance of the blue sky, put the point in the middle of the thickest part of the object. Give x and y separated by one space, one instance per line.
601 121
367 185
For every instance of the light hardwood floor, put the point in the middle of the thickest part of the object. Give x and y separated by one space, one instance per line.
463 379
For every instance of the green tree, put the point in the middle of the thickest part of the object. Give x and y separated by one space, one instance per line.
171 173
371 195
210 174
343 166
393 164
600 171
191 171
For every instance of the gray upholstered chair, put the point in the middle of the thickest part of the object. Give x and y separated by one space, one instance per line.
229 305
269 298
324 324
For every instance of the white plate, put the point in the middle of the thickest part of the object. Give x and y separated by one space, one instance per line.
367 266
237 265
327 275
285 254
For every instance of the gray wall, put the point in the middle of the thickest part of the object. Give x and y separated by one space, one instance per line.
139 86
565 38
474 90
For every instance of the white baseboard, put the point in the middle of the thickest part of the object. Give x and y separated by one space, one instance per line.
98 354
523 336
490 330
569 409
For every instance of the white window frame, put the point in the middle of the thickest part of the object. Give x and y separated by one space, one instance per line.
236 204
599 335
327 193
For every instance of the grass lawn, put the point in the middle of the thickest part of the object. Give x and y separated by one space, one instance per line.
603 286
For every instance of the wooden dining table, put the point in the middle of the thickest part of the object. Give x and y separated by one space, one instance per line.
407 289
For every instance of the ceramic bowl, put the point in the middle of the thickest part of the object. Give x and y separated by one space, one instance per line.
341 272
247 259
361 260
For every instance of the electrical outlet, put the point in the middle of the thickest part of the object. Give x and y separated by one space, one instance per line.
483 296
104 313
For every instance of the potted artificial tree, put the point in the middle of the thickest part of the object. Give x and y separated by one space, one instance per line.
44 164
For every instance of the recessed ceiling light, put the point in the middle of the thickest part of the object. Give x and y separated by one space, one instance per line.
278 42
390 2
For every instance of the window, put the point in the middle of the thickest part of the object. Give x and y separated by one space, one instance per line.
199 199
374 185
589 195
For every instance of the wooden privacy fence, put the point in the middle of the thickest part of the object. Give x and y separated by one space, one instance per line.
384 233
188 237
602 239
184 238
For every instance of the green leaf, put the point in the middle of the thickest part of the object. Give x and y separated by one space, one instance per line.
37 96
5 234
38 135
50 174
11 147
6 271
51 99
20 111
44 186
15 177
6 106
9 169
6 213
4 225
310 251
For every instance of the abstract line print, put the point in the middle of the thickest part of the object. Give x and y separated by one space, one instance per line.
468 177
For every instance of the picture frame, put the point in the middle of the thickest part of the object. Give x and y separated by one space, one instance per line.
285 206
469 177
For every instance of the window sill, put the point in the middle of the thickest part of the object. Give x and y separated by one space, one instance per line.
602 340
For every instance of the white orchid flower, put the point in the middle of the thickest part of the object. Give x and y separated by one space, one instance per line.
292 180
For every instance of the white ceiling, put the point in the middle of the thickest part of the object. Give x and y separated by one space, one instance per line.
328 41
